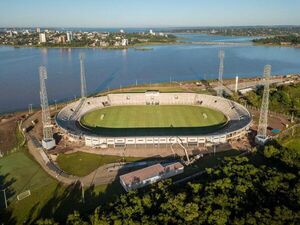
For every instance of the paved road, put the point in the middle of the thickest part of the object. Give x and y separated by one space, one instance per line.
102 175
251 84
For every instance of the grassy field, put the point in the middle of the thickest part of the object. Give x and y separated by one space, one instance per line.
49 199
161 116
292 142
19 173
81 163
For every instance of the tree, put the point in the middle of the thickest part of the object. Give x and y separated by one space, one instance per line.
270 151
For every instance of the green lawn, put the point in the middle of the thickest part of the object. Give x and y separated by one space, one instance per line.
48 199
81 163
19 173
290 141
160 116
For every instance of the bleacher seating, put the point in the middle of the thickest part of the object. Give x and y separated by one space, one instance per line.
238 116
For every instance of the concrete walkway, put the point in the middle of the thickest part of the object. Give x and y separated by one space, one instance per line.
102 175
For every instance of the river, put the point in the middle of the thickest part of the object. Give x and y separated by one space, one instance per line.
19 81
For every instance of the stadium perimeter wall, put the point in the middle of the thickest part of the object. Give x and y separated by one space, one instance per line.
239 119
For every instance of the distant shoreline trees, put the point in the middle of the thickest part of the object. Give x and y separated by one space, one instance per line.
279 40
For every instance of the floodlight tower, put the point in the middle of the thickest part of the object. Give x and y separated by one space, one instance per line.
261 136
48 141
82 77
221 71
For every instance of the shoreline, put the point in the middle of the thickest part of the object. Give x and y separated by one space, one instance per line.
97 47
250 43
141 86
275 45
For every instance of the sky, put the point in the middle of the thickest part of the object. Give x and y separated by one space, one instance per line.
151 13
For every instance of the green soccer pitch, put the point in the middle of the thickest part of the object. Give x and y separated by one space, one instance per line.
154 116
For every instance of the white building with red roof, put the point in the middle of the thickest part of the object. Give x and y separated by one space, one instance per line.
149 175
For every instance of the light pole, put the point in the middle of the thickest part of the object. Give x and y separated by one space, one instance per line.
29 108
5 200
82 191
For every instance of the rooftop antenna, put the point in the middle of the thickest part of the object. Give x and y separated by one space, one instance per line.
48 141
82 76
221 71
261 136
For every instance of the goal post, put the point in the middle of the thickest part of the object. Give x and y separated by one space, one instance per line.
23 195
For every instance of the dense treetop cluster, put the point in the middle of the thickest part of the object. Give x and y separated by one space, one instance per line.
262 188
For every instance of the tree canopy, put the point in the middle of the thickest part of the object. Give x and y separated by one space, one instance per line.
263 188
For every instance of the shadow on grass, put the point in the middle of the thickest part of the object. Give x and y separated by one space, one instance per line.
66 200
166 131
6 216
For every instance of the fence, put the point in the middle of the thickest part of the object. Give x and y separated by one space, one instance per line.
271 112
287 132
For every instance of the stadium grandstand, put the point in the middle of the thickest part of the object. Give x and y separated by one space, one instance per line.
69 120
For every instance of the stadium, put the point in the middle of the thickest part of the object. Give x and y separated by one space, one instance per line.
153 118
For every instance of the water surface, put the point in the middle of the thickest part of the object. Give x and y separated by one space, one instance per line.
19 81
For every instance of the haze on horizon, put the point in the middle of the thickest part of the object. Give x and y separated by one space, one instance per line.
154 13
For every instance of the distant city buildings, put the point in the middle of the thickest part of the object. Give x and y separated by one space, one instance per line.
69 36
151 32
54 38
42 38
124 42
213 31
62 39
10 33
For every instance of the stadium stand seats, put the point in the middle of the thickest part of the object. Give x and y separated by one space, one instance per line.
239 119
